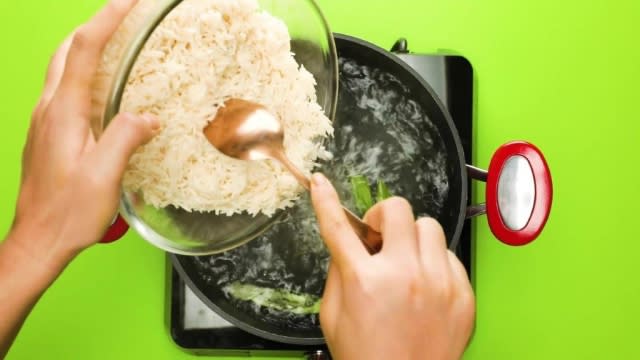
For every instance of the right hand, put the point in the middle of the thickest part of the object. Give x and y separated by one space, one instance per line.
412 300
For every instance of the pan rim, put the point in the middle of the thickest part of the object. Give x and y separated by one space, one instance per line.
453 243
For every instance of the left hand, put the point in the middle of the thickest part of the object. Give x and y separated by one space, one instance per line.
70 184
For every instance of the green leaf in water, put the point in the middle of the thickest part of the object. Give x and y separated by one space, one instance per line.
361 193
382 191
281 300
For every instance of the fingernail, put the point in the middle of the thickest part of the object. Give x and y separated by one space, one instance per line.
319 180
153 121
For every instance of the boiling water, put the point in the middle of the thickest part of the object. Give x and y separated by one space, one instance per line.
381 133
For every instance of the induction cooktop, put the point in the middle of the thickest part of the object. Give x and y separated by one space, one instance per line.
198 330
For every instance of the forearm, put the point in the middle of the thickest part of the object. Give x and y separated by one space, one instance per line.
24 277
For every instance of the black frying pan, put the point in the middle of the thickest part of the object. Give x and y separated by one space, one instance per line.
391 126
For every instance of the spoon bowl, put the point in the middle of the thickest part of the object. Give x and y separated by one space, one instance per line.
245 130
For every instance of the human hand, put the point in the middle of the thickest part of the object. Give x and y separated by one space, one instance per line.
70 183
412 300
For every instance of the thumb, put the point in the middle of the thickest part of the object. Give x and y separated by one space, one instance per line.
337 233
121 139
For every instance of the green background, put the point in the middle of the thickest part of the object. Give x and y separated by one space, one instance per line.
561 74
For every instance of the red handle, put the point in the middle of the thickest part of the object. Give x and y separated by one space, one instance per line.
519 193
118 228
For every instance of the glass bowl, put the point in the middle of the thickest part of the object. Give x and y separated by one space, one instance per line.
192 233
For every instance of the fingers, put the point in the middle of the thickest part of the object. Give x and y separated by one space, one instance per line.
458 270
56 69
52 80
394 219
463 284
432 244
330 304
120 140
54 74
86 49
345 247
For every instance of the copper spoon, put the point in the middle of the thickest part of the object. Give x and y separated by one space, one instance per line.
245 130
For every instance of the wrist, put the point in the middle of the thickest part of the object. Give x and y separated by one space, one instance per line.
34 252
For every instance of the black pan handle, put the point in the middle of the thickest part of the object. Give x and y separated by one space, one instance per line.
400 47
477 173
518 195
480 175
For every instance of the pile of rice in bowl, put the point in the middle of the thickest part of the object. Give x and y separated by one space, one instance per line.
203 53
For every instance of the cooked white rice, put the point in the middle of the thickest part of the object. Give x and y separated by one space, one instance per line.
205 52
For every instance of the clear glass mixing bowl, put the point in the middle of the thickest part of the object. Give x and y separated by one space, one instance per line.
179 231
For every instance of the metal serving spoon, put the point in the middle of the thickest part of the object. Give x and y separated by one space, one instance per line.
248 131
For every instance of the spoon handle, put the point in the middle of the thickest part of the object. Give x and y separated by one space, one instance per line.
293 169
371 239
